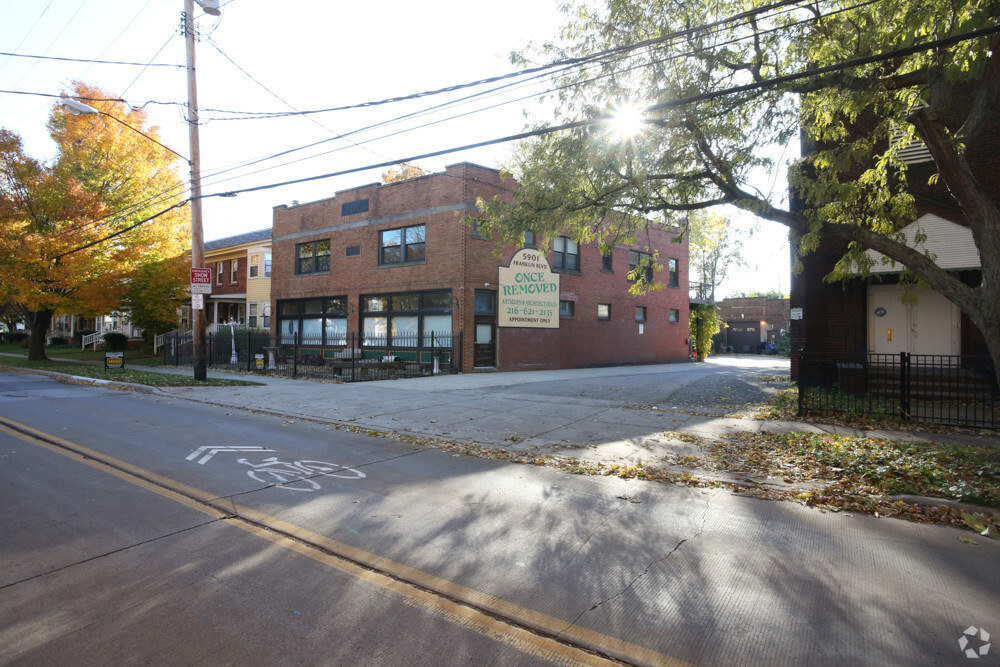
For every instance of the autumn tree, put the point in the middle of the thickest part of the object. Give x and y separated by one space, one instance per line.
401 172
726 89
74 230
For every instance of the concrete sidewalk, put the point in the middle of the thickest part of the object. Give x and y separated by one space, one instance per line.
624 415
616 415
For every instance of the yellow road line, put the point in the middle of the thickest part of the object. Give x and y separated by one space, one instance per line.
463 606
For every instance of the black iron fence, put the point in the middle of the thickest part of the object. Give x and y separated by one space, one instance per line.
944 389
346 358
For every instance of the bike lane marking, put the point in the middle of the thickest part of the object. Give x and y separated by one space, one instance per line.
529 631
208 451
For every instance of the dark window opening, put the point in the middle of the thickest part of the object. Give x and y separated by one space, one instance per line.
353 207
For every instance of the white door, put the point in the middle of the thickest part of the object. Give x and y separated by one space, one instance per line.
930 326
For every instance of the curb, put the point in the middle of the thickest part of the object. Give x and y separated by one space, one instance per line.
78 379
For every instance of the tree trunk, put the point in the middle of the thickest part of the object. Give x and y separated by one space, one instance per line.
39 322
987 320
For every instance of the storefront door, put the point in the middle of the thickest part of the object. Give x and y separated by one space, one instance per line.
485 345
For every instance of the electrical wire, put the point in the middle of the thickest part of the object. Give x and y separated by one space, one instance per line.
282 100
209 176
27 34
679 102
54 40
88 60
482 94
758 85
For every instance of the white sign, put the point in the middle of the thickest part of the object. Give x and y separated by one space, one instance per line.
198 301
529 292
796 314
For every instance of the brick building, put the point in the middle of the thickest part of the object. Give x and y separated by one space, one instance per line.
751 323
397 262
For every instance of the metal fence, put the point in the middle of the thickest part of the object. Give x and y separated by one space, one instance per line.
956 390
344 358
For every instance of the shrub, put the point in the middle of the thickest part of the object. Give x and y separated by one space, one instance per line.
58 340
15 336
784 344
80 333
115 341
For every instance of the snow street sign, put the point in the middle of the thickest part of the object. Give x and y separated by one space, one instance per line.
201 281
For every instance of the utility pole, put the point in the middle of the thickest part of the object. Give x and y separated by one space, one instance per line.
197 243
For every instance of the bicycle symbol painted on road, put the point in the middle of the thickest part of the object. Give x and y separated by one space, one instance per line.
297 475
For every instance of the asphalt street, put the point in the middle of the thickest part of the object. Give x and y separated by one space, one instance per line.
644 573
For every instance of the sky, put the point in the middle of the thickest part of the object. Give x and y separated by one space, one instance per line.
266 57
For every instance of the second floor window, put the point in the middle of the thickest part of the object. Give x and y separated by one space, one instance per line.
674 273
267 265
640 267
606 262
254 266
220 270
400 246
233 268
565 254
312 257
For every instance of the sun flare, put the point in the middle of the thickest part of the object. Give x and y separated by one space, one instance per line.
627 120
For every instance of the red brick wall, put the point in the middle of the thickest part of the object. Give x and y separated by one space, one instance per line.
457 261
227 286
583 340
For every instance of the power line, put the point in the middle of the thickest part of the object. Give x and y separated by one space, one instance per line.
87 60
579 60
679 102
759 85
28 34
54 40
336 134
122 231
494 91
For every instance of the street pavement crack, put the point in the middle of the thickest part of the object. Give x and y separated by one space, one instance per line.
112 552
572 423
649 566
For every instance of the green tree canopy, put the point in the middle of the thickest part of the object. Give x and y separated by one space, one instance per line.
728 87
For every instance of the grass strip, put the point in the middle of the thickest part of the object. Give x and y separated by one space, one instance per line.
125 375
